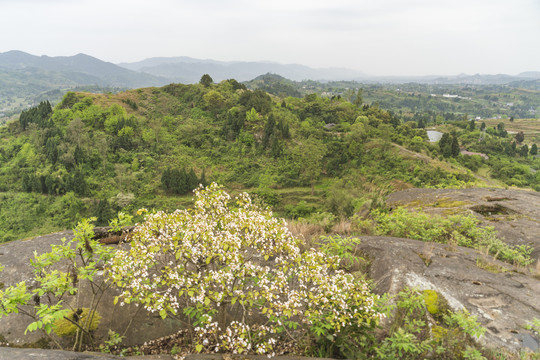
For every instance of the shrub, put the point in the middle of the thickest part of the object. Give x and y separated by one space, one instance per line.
226 258
415 333
58 274
463 230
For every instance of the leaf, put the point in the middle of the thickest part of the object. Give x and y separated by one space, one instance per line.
198 348
163 313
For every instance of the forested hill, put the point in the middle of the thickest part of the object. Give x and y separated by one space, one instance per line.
95 154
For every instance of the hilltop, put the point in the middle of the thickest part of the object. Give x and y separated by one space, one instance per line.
95 154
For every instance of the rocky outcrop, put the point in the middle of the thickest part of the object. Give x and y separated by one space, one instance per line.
504 299
515 214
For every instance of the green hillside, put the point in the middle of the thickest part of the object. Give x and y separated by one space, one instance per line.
96 154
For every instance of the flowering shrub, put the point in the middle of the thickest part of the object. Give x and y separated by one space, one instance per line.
238 276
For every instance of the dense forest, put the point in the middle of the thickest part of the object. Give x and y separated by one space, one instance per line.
96 154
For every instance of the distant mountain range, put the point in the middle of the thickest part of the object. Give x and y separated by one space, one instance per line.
189 70
24 78
83 69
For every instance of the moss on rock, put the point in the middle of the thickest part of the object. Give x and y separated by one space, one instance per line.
64 327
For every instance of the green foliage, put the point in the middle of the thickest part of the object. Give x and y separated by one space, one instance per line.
344 248
38 115
535 325
206 80
467 323
415 334
95 147
119 223
113 341
462 230
58 274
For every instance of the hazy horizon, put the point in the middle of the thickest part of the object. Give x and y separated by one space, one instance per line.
384 38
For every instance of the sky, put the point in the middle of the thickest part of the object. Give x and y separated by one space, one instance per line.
376 37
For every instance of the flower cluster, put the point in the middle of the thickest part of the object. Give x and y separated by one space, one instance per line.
235 260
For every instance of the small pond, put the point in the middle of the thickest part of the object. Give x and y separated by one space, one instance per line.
434 135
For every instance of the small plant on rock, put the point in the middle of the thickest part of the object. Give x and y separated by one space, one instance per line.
60 274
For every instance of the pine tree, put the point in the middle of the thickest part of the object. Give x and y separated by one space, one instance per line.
268 130
191 180
202 180
524 151
455 146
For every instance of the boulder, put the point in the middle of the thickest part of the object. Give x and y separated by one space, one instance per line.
504 299
15 257
515 214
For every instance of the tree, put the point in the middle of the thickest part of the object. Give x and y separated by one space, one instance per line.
206 80
483 126
455 146
520 136
445 145
268 130
308 155
511 119
534 150
472 125
524 151
214 100
359 100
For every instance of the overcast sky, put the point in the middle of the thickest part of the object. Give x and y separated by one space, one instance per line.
377 37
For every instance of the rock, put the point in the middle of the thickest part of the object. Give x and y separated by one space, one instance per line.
16 255
515 214
30 354
502 296
504 302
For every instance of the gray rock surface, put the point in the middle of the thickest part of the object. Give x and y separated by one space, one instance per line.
16 255
515 214
31 354
504 302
